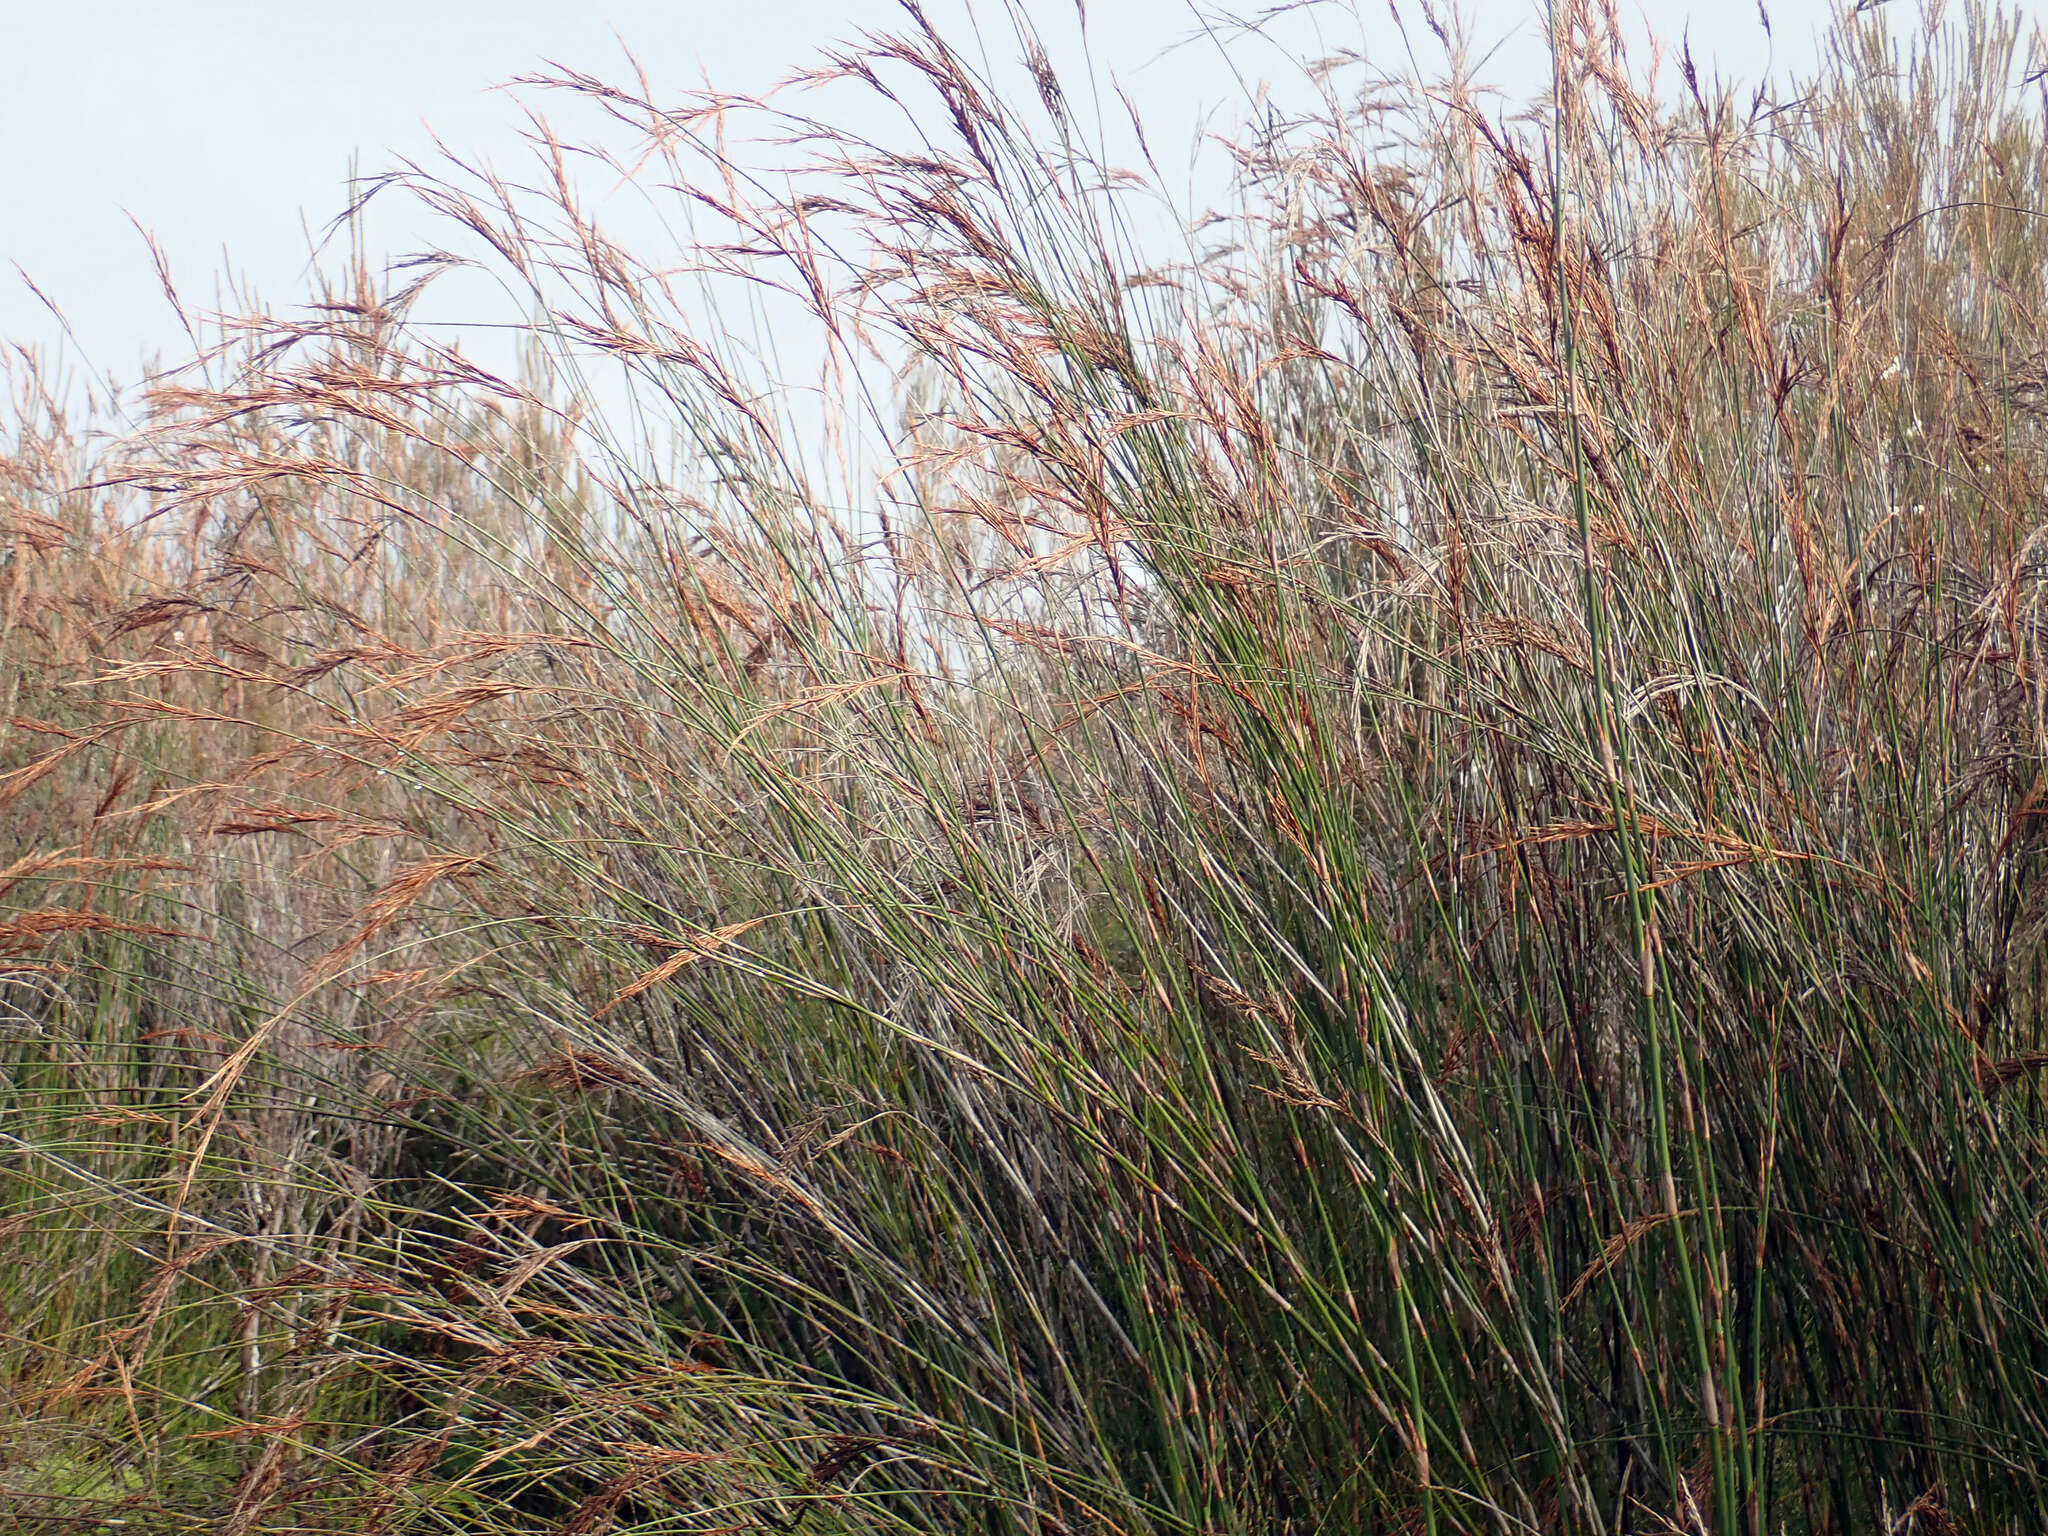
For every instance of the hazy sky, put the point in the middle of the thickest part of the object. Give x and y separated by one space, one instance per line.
227 127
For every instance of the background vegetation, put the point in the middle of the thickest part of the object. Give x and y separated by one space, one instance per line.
1387 878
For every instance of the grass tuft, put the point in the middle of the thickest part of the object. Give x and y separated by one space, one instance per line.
1388 878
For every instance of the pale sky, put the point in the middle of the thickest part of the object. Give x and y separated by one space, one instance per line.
228 127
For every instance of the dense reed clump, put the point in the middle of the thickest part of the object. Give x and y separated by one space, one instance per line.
1387 878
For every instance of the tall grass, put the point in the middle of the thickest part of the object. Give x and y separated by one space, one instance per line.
1386 879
